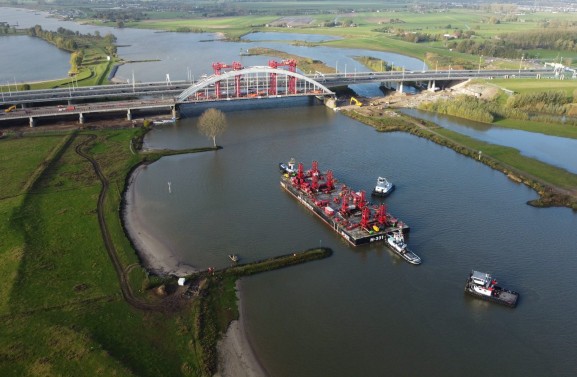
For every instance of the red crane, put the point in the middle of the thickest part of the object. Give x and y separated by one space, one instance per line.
382 215
292 81
218 67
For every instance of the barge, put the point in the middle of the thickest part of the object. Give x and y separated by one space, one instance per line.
483 286
347 212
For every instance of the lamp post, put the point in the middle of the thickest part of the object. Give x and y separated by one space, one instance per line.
479 70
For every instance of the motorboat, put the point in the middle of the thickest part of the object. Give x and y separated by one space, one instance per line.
288 167
396 242
383 187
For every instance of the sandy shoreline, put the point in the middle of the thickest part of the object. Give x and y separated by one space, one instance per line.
236 357
155 255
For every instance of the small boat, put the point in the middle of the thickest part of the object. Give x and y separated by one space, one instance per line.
483 286
383 187
233 257
288 167
396 242
164 121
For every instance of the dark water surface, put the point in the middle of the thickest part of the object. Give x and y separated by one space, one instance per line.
363 311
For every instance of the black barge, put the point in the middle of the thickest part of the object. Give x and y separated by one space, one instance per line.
347 212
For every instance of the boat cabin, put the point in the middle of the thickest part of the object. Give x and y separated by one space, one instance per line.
480 278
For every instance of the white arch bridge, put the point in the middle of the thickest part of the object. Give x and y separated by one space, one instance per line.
253 82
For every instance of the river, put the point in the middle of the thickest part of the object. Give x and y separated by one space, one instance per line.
364 311
181 56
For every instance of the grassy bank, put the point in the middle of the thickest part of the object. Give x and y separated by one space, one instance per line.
62 306
555 186
62 310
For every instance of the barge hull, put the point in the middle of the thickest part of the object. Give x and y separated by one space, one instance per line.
506 297
346 234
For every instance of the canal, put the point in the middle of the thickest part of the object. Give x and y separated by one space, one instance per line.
364 311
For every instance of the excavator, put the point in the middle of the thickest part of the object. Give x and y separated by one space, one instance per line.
355 101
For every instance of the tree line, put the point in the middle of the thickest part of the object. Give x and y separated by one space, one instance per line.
513 45
70 40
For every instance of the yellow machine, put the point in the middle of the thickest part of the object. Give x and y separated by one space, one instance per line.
13 107
355 101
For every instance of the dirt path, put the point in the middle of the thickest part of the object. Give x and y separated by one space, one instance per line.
121 273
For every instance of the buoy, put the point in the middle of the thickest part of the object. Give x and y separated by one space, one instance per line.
375 228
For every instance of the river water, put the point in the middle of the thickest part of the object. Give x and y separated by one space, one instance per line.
181 56
362 311
552 150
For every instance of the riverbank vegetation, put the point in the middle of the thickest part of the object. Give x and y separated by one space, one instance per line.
304 64
549 106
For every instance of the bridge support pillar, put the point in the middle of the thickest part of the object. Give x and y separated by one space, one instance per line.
431 86
175 113
400 87
81 118
128 115
32 122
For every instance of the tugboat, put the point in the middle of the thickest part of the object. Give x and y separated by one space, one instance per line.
383 187
289 167
483 286
233 257
396 242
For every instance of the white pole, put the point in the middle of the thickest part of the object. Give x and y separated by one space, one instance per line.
479 70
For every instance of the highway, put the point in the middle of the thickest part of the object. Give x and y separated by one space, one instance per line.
164 90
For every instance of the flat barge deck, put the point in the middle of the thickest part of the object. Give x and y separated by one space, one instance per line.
347 212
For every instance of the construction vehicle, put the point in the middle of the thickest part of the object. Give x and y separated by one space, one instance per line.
11 108
355 101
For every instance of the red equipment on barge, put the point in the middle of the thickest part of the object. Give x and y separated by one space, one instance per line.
347 212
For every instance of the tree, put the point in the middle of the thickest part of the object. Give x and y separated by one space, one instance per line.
212 123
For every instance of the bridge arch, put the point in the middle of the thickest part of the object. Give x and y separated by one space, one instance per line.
257 78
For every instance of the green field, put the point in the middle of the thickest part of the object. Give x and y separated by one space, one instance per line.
60 302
